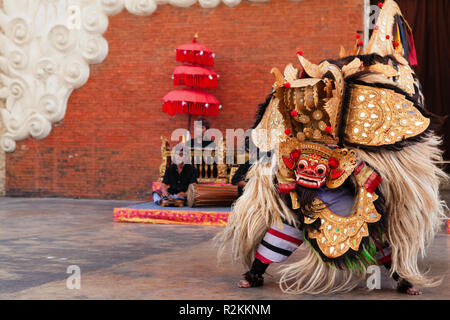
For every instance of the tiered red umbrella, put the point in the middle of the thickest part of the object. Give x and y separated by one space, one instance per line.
191 101
192 76
196 76
195 53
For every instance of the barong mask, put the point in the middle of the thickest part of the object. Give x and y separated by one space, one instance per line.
313 165
310 169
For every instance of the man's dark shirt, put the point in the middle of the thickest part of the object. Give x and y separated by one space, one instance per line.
206 146
239 175
180 182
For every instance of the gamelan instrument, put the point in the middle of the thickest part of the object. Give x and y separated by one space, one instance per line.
209 195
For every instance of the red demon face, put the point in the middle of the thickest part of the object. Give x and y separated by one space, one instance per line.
311 169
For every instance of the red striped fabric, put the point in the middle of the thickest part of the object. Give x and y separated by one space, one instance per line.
372 182
262 258
285 236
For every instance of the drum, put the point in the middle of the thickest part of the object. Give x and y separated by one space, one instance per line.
210 195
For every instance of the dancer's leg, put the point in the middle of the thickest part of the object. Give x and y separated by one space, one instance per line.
403 285
276 246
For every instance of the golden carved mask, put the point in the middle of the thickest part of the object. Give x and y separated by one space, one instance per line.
313 165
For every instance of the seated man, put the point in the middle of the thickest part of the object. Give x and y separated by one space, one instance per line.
176 181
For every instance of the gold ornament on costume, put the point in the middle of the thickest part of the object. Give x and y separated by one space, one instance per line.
386 70
347 162
336 234
310 106
386 40
270 130
352 68
405 79
310 109
381 117
299 163
382 42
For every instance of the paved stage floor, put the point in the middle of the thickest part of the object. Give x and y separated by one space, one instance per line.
41 238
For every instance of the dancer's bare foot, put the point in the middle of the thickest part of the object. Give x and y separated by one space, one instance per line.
413 291
251 280
407 287
244 284
163 202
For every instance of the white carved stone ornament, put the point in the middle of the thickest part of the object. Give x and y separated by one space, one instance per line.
45 50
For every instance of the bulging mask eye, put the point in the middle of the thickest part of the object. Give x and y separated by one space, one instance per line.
321 169
303 164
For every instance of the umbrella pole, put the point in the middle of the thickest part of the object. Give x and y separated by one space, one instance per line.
189 127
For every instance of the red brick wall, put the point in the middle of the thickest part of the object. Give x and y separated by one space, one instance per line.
108 145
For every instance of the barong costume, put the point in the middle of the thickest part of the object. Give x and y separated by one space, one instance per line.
355 180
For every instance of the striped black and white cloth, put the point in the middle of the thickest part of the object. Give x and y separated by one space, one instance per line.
279 243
